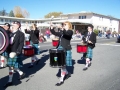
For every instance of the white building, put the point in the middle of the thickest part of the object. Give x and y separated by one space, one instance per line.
100 22
78 20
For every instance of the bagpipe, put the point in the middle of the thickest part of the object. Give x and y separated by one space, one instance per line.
4 40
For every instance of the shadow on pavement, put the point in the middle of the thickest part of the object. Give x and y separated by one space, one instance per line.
81 61
28 71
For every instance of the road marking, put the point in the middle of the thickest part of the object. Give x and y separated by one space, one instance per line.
109 44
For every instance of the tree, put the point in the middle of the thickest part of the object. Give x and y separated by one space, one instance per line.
3 12
20 13
55 14
11 14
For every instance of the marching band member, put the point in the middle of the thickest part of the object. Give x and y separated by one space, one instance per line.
15 50
65 36
4 55
34 39
90 39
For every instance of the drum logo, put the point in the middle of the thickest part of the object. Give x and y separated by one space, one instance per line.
55 58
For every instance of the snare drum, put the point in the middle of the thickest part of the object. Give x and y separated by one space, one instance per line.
57 58
55 42
27 42
81 48
28 51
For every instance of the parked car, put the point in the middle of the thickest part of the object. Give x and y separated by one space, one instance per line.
118 39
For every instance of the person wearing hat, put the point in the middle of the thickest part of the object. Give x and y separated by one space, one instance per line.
4 55
15 52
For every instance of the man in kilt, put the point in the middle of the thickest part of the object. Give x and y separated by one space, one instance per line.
15 52
90 39
4 55
65 36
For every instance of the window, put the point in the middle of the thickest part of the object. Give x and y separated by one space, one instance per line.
1 20
101 18
82 17
5 20
110 20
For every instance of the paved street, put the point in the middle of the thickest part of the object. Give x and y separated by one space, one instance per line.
104 74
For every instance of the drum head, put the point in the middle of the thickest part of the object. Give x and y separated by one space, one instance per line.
4 40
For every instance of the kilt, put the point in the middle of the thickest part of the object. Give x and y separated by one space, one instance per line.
5 54
68 57
89 53
15 62
36 48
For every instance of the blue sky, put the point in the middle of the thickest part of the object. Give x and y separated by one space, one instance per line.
39 8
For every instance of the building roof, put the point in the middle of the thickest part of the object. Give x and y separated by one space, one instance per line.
85 21
89 12
43 19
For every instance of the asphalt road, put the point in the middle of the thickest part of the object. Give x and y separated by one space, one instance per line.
104 74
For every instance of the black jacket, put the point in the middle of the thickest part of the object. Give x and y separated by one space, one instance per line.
34 35
92 39
18 43
65 39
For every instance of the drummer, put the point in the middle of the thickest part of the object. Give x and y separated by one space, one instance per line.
34 39
90 39
65 36
4 55
15 49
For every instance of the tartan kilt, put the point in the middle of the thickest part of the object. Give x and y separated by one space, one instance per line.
68 56
36 49
15 62
89 53
5 54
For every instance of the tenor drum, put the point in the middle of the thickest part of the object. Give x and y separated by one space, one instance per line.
55 42
4 40
57 58
81 48
28 50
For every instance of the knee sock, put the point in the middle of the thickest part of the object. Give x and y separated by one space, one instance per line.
32 60
35 57
2 61
63 73
87 62
10 75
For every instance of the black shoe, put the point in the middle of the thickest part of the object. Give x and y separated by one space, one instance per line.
67 76
89 64
85 68
22 76
31 66
58 84
8 84
2 67
37 62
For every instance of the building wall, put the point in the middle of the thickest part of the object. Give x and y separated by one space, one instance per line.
104 23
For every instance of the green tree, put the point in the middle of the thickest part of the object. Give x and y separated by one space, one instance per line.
55 14
3 12
11 14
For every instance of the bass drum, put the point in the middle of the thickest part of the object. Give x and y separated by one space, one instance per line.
4 40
